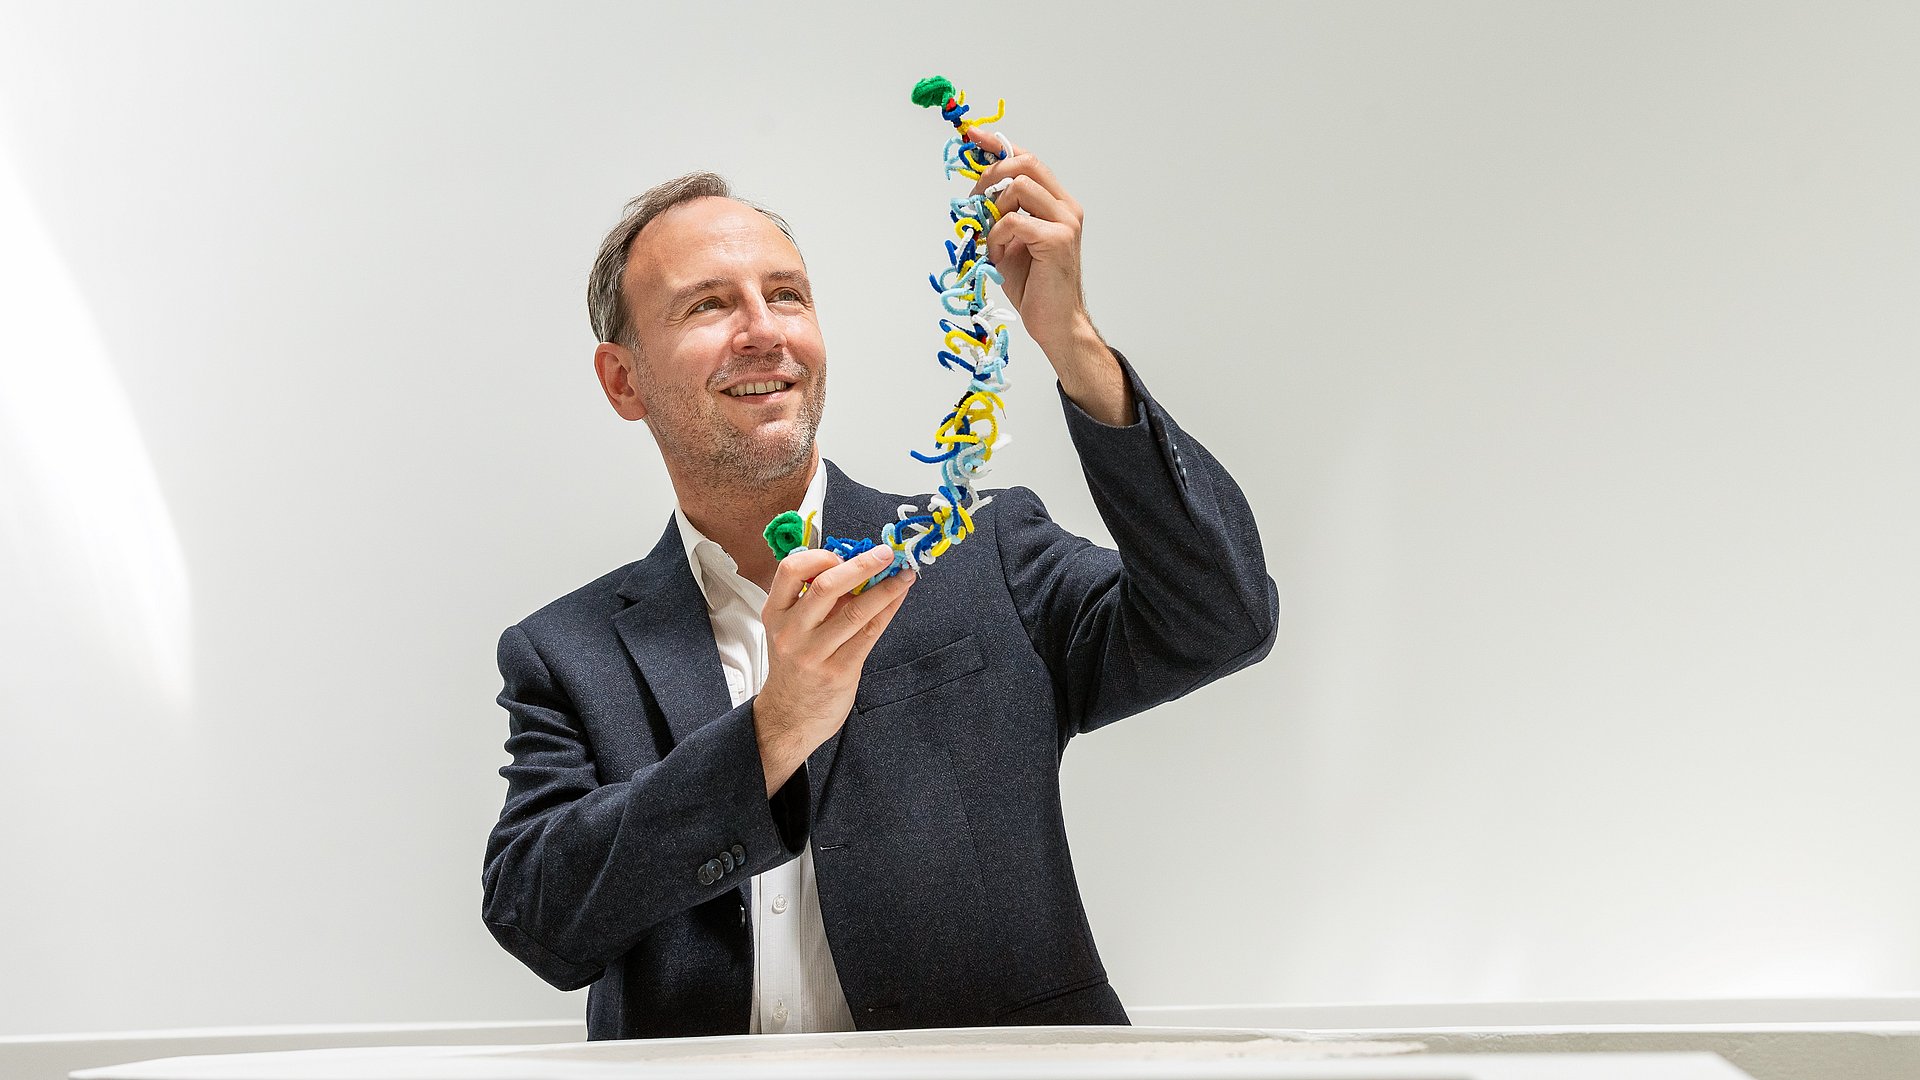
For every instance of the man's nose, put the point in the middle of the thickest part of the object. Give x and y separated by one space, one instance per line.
759 330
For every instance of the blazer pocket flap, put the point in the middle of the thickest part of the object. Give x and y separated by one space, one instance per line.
919 675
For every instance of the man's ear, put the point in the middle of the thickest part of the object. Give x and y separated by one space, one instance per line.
619 377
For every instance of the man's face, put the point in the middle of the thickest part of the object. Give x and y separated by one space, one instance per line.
722 306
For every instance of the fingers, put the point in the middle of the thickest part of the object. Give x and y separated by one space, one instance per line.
993 140
827 616
858 618
795 571
1011 234
1025 193
1021 163
854 650
830 584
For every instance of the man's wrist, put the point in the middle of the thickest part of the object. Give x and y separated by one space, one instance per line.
1091 376
781 742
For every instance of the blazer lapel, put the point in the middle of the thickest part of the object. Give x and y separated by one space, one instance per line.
850 511
668 634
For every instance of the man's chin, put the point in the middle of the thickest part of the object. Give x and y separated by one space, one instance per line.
765 464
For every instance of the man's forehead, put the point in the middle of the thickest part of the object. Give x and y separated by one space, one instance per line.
708 237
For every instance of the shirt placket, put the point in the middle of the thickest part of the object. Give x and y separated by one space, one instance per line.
775 894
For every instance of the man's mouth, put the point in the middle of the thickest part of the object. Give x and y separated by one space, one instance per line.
758 390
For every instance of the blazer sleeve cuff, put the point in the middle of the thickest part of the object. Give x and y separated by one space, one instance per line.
1138 468
770 831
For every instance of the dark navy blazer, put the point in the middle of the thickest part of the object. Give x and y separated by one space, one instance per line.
637 811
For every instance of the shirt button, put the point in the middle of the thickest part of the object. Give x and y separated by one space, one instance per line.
780 1013
779 903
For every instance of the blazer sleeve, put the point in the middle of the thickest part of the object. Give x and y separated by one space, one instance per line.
1184 600
578 871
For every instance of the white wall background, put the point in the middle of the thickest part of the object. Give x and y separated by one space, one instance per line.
1567 353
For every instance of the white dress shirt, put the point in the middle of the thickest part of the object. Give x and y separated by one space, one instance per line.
795 986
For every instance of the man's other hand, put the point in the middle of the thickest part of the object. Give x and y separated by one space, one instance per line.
818 637
1036 246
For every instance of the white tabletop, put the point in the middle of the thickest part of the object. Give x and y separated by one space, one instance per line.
1030 1053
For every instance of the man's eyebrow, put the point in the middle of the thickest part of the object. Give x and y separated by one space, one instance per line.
688 292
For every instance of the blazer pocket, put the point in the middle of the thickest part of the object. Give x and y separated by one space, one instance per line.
919 675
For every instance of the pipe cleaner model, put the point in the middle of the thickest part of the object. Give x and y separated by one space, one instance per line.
965 440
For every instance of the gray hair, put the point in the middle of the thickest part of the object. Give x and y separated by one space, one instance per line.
606 304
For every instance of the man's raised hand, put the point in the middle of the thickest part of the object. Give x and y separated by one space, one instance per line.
1036 247
1037 252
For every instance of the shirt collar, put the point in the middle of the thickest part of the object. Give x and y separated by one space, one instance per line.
710 563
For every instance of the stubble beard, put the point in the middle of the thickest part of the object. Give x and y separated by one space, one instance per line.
722 456
741 458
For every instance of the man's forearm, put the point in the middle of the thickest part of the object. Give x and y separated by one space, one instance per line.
1182 595
784 746
1091 376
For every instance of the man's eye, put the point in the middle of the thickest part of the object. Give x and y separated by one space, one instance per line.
704 304
787 294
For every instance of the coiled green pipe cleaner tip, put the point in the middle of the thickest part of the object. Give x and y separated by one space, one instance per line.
786 533
932 90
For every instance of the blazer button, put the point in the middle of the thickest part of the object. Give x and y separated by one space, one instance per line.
726 861
739 854
709 872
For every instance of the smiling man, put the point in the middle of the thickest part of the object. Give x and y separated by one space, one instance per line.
743 798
